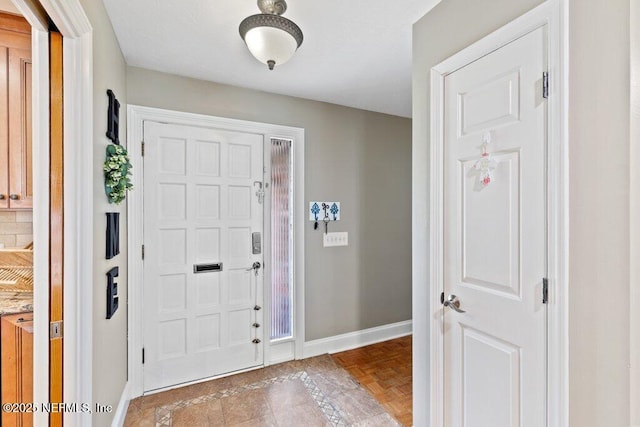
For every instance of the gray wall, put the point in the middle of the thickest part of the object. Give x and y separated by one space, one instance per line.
599 213
599 188
359 158
635 212
109 336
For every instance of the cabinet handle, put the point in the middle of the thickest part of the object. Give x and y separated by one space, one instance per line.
2 197
14 196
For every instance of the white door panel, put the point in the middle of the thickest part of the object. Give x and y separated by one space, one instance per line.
495 238
200 207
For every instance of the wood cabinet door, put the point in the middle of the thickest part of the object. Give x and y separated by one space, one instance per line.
4 130
16 185
20 150
16 362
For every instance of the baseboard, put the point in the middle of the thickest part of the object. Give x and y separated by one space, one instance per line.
357 339
121 411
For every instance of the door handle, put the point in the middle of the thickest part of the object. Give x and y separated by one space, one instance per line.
14 196
256 266
454 303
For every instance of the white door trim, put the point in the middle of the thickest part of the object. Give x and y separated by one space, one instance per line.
75 27
136 115
552 14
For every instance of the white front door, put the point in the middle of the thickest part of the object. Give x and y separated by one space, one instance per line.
201 298
495 249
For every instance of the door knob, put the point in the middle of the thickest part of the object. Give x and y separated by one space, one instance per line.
14 197
454 303
256 266
2 197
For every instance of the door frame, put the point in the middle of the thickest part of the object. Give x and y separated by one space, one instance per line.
136 115
73 24
551 14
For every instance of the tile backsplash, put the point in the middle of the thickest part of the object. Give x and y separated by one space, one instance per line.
16 229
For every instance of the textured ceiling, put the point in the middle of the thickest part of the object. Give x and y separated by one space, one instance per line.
7 6
355 53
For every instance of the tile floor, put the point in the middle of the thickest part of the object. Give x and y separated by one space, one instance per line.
310 392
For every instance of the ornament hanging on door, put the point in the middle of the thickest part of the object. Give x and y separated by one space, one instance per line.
485 165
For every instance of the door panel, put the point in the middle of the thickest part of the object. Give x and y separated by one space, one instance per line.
200 208
20 157
495 238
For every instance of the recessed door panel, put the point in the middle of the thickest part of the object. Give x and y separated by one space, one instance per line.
240 161
490 104
208 332
173 245
173 201
240 292
491 380
172 293
239 202
208 202
239 326
208 158
207 244
490 224
172 156
173 338
207 290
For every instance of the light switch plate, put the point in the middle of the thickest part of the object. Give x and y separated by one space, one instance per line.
335 239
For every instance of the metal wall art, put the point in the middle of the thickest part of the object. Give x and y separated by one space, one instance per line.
113 118
113 234
325 212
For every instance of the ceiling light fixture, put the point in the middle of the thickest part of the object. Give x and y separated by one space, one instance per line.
271 38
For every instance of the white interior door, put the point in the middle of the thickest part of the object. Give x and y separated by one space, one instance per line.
200 210
495 238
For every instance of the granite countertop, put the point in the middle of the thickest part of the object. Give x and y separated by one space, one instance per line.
16 281
15 302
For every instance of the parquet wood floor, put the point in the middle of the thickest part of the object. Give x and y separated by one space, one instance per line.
384 370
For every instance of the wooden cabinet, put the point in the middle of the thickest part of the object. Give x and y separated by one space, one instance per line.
16 366
16 184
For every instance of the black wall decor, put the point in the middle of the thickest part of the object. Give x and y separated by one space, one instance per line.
113 234
112 292
113 118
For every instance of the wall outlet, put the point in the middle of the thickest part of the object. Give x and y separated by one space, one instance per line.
335 239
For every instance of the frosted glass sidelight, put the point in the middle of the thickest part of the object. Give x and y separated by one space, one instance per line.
281 240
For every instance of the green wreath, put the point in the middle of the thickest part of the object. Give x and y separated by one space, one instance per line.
117 172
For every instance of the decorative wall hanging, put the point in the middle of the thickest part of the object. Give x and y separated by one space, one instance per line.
113 118
113 234
485 165
117 172
112 292
324 211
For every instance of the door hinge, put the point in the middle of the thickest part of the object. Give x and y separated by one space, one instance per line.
545 84
143 252
143 355
55 330
142 148
545 290
442 298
